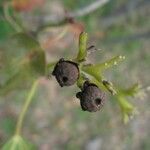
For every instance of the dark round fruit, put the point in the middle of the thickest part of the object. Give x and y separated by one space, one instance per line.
66 72
91 97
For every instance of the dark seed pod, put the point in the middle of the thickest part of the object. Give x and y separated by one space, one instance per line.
66 72
91 97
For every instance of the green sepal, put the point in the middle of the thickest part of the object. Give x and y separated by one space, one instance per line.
110 63
23 61
82 52
96 70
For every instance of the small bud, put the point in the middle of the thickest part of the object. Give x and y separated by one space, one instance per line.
66 72
91 97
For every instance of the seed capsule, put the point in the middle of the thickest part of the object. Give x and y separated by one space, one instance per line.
66 72
91 97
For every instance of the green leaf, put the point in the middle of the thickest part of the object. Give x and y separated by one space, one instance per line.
22 61
82 53
18 143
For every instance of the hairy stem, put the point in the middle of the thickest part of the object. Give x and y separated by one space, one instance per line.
25 107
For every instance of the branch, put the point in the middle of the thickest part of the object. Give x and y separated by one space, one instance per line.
55 20
88 9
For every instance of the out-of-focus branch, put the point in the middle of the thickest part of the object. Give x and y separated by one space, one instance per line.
70 16
88 9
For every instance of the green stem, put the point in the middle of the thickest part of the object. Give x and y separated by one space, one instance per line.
25 107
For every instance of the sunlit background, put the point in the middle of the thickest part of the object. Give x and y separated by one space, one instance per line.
55 120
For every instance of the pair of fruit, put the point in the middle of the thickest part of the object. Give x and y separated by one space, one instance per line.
67 73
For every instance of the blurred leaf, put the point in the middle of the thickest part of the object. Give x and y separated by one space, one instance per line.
22 61
18 143
26 5
118 31
8 125
132 46
5 30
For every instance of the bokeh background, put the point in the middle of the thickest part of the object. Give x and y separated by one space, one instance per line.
55 120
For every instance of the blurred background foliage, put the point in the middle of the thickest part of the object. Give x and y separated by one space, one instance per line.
55 119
